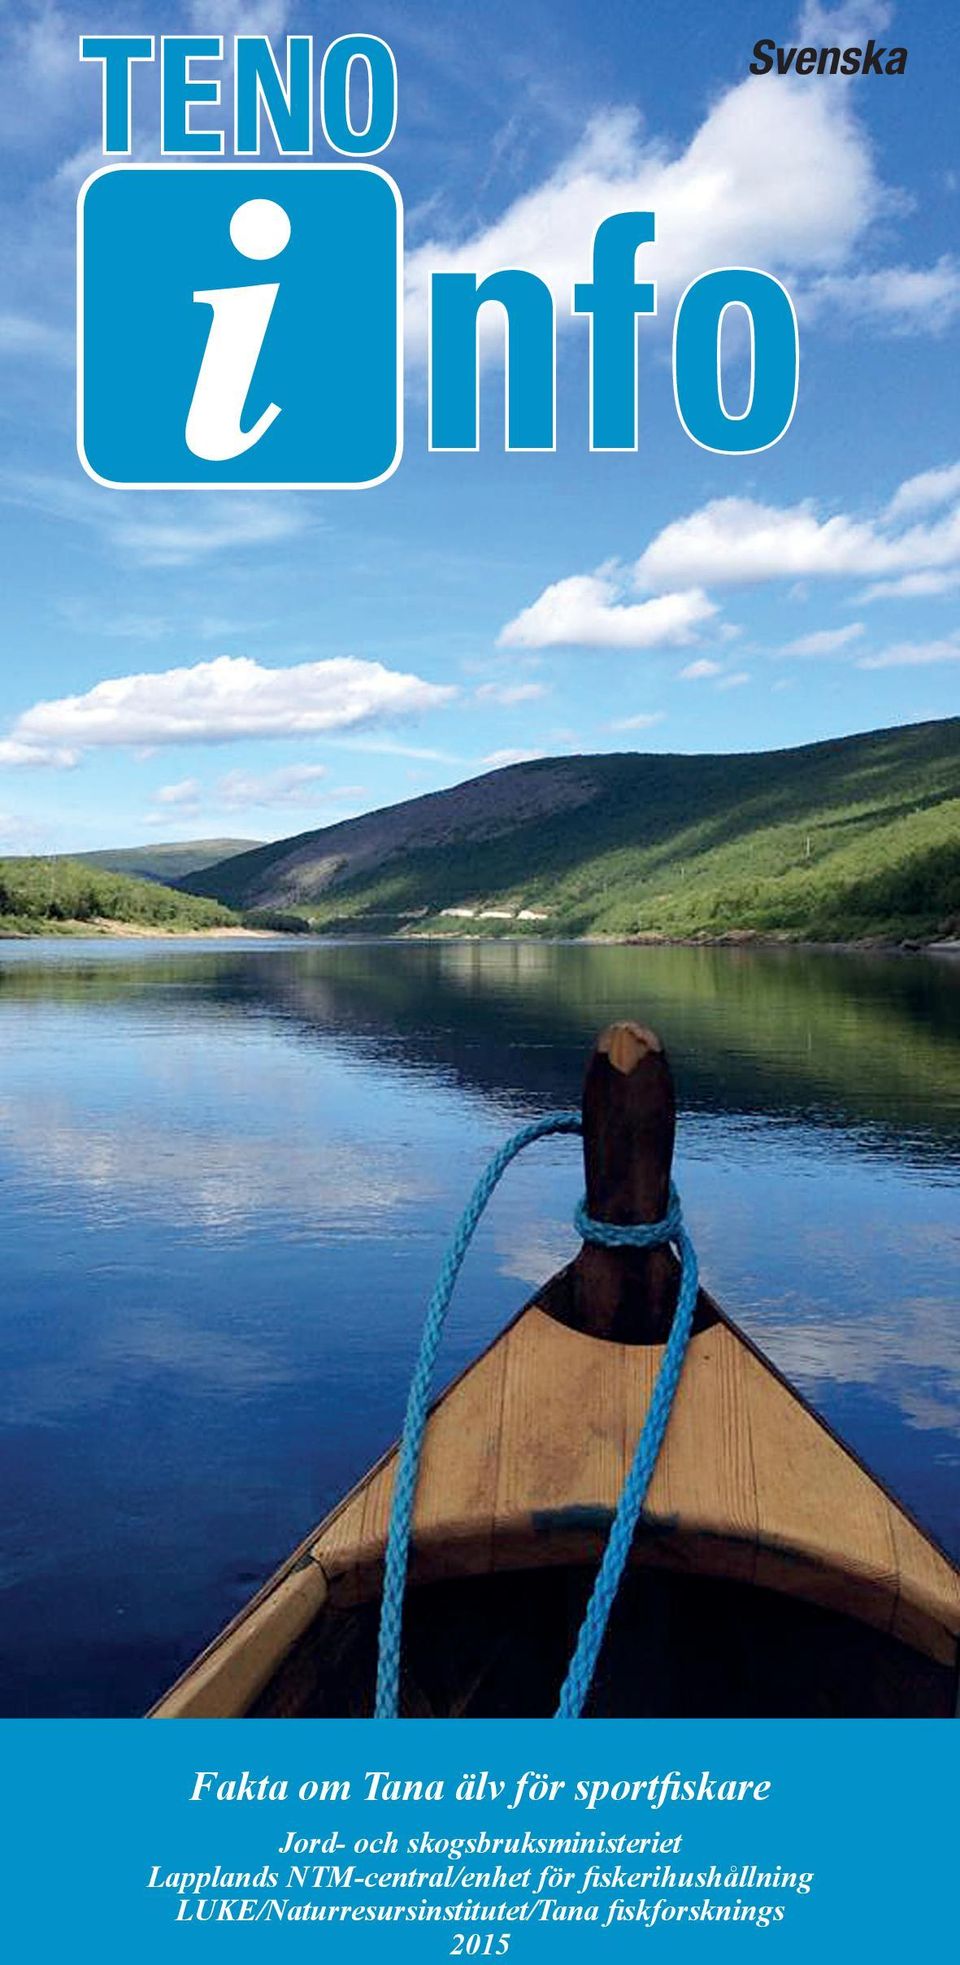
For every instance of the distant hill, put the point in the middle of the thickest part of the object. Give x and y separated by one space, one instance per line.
168 863
53 896
855 838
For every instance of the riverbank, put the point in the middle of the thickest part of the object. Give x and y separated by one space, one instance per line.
746 938
103 929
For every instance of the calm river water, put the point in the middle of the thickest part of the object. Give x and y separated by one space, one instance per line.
226 1177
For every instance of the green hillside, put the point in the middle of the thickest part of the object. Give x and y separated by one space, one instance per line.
54 896
168 863
851 839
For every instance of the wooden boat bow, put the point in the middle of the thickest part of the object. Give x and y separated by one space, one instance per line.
526 1452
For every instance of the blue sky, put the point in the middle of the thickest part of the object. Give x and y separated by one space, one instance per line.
176 665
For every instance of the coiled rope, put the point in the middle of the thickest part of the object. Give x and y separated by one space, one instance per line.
645 1235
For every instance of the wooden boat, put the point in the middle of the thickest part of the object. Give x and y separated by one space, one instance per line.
771 1574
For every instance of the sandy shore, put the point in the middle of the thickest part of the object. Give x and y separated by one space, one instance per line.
127 930
106 930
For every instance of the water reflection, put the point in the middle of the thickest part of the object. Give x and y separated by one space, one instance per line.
227 1174
850 1041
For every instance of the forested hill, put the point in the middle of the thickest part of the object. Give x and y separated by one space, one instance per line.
857 837
50 896
164 861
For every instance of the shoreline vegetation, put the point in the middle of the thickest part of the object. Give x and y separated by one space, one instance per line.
99 928
851 843
67 897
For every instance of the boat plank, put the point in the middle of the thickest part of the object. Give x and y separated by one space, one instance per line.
825 1528
562 1457
455 1491
461 1456
339 1539
928 1606
228 1676
526 1454
705 1481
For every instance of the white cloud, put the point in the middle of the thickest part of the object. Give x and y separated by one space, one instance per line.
856 19
15 753
220 627
156 530
174 538
107 623
915 654
903 299
913 586
825 641
35 339
645 721
717 201
734 540
218 702
268 17
294 784
391 747
185 792
588 610
734 681
701 671
44 80
497 760
508 693
89 620
926 492
739 540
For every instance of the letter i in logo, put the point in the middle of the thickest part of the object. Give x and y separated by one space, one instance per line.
259 229
239 325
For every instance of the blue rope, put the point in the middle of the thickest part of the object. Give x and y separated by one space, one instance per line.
576 1685
418 1406
645 1235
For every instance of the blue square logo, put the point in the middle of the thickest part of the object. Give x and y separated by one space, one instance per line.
240 325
